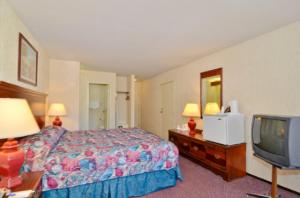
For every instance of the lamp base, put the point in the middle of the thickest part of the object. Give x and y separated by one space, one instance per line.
11 160
57 121
192 126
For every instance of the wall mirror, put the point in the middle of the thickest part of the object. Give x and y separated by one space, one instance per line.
211 91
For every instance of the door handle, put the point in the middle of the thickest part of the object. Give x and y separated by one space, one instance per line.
161 110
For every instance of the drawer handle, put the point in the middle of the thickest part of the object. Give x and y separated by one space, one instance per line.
217 156
195 148
185 144
172 139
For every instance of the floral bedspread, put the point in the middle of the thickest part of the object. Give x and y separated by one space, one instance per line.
82 157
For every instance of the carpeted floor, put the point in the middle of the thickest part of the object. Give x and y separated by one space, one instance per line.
201 183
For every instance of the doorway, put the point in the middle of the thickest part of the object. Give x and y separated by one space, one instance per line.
98 99
122 109
167 108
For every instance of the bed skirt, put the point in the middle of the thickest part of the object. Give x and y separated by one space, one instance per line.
129 186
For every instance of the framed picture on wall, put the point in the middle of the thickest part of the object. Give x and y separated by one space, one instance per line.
27 62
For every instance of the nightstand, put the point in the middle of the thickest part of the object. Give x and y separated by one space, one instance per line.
31 181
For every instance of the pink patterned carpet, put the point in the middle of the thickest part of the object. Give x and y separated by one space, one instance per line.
201 183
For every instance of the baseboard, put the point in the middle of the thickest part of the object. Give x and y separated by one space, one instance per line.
285 188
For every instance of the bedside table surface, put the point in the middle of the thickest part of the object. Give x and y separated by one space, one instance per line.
30 181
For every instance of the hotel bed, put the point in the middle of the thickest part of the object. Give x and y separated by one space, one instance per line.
106 163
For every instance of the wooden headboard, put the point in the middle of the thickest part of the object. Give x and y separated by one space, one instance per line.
36 100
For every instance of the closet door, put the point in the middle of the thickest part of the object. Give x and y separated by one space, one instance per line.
98 98
167 109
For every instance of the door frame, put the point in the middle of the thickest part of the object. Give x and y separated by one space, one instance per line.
107 103
172 103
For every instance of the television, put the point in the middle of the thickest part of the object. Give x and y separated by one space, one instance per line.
276 139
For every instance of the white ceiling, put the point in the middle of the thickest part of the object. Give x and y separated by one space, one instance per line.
146 37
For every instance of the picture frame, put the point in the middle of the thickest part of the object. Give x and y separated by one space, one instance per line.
27 62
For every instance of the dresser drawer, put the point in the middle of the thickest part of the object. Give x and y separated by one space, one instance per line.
226 160
198 150
173 138
219 151
184 145
216 154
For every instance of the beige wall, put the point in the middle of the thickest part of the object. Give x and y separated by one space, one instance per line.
125 109
131 107
122 83
122 105
64 88
10 26
87 77
138 104
263 74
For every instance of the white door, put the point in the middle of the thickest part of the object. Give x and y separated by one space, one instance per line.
167 109
98 114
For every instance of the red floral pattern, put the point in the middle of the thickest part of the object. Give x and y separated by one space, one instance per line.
83 157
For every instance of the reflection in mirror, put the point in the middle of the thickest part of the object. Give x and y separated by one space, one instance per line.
211 91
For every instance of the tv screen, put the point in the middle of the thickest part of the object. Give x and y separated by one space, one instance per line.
276 139
272 136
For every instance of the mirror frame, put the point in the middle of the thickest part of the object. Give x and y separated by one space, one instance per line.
213 72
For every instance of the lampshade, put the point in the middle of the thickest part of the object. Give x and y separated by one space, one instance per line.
191 110
16 119
57 109
211 108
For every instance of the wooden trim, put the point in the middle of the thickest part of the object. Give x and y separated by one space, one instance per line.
210 73
17 89
215 83
213 72
22 37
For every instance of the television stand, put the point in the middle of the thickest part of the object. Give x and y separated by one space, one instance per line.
258 195
274 186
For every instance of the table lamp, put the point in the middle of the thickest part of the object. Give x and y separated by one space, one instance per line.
211 108
191 110
57 109
16 120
